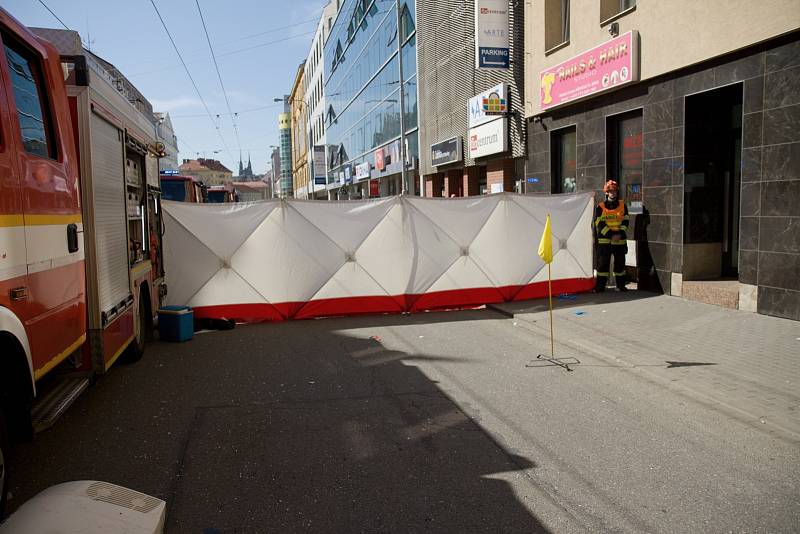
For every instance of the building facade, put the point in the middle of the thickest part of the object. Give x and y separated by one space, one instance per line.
285 148
315 105
300 167
166 134
695 110
363 99
208 171
465 151
275 172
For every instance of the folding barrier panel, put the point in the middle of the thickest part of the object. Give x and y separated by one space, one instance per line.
296 259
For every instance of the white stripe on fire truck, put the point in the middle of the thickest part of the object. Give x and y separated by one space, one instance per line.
12 252
36 248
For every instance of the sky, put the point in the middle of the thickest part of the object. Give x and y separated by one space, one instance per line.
276 34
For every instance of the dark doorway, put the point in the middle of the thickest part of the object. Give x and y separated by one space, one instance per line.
713 139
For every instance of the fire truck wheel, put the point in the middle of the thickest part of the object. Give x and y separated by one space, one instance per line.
4 459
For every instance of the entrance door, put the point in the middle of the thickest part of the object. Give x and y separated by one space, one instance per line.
713 135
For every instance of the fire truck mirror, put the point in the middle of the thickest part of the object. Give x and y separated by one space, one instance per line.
72 237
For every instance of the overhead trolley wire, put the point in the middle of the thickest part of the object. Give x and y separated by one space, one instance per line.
219 77
52 13
216 126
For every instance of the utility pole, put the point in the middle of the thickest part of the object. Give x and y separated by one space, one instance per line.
404 171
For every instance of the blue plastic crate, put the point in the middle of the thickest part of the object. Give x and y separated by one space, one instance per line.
175 323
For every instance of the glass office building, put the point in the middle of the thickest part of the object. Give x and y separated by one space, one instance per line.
362 92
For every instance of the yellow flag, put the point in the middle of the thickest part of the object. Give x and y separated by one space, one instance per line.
546 244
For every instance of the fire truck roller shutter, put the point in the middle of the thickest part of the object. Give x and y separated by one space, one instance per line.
110 218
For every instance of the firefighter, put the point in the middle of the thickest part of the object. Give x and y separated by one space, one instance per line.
611 225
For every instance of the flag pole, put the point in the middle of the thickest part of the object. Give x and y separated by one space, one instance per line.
546 253
550 295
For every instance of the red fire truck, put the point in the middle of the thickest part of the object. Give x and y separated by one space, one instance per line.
81 271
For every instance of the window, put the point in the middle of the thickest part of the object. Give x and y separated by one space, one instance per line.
624 149
563 151
611 8
556 23
32 110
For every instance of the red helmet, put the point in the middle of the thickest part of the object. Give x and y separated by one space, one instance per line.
611 185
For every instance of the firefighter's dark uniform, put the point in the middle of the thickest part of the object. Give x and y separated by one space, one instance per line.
610 218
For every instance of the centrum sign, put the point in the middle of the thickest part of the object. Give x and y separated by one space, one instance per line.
603 68
489 138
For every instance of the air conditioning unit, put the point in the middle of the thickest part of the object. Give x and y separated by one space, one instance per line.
88 507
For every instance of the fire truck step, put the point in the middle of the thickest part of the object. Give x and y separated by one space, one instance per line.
50 407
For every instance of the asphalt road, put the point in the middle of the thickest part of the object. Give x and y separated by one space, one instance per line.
423 423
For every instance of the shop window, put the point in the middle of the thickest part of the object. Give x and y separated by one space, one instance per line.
612 8
27 81
563 154
624 149
556 23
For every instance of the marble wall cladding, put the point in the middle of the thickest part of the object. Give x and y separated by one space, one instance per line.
658 172
539 161
753 95
748 267
782 88
748 233
738 70
782 125
591 131
779 302
657 116
658 144
592 155
694 83
780 199
779 270
784 56
751 129
677 111
750 200
769 232
781 162
780 234
751 164
657 200
591 178
678 140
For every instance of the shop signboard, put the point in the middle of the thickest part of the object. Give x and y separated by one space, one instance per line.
362 170
447 151
491 97
489 138
341 177
319 165
609 66
491 34
348 177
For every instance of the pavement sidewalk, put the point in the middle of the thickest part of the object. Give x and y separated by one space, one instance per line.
745 364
